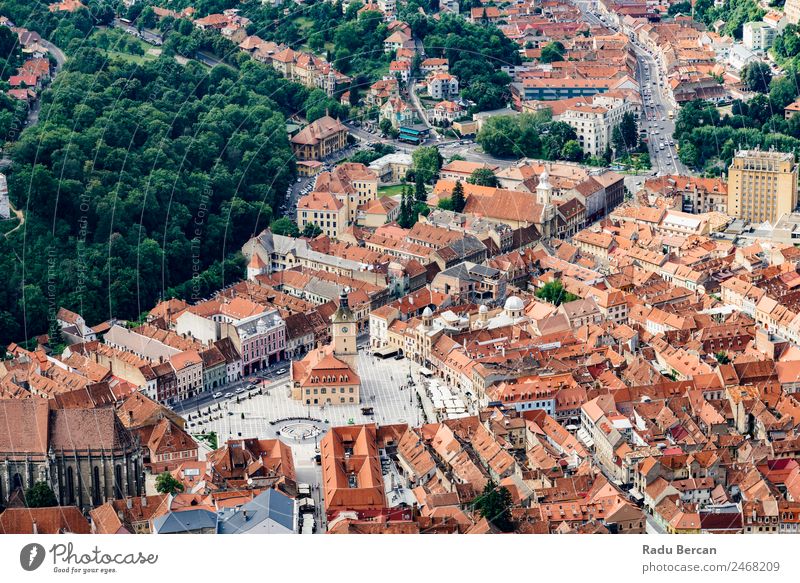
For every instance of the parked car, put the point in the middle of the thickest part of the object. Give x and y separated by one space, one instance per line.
241 390
216 395
228 395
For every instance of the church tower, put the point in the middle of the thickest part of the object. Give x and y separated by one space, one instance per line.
344 332
544 196
544 190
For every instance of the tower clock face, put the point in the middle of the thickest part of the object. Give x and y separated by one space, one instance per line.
344 329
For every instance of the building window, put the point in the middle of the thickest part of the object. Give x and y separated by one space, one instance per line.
96 486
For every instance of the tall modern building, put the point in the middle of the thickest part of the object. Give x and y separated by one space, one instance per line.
762 185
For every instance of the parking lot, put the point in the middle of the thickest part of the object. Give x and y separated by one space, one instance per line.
251 415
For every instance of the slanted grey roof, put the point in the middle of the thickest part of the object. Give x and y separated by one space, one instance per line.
186 521
270 505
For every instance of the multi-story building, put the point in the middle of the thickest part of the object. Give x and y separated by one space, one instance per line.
762 185
398 112
262 338
442 86
554 89
319 139
792 11
594 122
758 36
86 456
446 112
188 373
324 210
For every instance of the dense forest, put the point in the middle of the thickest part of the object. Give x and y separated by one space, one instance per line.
141 181
144 176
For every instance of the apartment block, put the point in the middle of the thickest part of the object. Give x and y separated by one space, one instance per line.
762 185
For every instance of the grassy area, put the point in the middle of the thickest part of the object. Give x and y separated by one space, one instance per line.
210 439
139 59
122 46
390 190
303 23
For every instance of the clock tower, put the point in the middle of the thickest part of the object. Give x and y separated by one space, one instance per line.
344 332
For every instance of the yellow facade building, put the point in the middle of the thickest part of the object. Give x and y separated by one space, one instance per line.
762 186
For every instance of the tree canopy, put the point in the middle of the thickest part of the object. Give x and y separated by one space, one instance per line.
553 51
141 181
757 76
554 293
494 504
483 177
166 483
533 135
40 495
708 140
426 162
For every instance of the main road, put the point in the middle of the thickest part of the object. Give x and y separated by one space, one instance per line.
656 101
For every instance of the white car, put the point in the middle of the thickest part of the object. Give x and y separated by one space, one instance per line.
216 395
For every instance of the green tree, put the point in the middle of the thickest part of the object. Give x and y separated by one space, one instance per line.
311 230
40 495
553 51
446 204
483 177
554 293
426 161
782 92
385 126
147 18
494 504
166 483
285 226
572 151
722 357
420 192
619 141
684 7
407 216
756 76
457 197
630 131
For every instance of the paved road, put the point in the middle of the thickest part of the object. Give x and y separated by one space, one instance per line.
20 216
57 53
148 36
656 99
415 102
207 398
